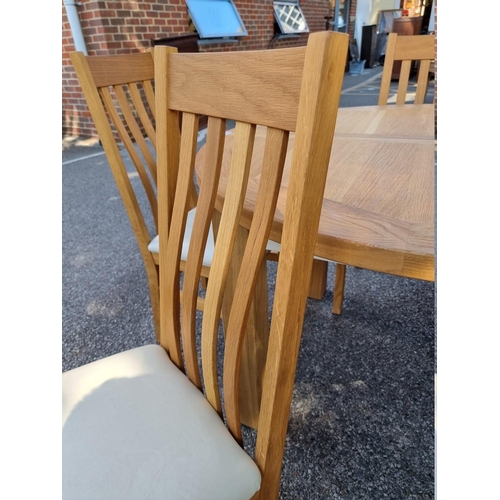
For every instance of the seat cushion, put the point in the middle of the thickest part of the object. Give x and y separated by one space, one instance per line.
135 427
154 246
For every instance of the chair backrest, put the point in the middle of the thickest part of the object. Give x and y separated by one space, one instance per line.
119 91
120 97
407 49
287 90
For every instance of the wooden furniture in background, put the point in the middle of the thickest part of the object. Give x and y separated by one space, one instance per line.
183 43
121 99
404 26
378 209
407 50
134 422
404 51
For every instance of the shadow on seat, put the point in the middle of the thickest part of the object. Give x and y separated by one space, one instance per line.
153 422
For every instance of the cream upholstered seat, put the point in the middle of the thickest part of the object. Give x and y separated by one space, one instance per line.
152 434
153 422
154 245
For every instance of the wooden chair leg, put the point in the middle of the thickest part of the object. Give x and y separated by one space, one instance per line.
338 289
317 286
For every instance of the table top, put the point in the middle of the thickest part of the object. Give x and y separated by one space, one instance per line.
379 204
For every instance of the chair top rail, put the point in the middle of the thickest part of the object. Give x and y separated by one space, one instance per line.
414 47
126 68
263 87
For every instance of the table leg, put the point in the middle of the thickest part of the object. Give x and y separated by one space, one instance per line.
317 287
338 288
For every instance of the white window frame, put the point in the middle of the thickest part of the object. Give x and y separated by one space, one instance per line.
201 26
285 29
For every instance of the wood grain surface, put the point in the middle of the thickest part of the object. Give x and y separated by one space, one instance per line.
379 206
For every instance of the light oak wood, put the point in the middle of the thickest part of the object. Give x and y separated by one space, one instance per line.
286 90
98 77
237 316
263 97
379 203
407 49
226 236
338 289
317 286
121 88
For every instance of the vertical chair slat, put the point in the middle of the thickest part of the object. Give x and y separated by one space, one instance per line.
422 81
168 132
150 96
404 78
385 84
122 132
134 128
167 157
95 100
272 170
144 117
171 285
237 184
201 225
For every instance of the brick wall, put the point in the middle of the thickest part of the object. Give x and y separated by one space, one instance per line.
120 27
110 27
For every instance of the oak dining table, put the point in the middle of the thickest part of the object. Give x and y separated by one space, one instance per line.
378 208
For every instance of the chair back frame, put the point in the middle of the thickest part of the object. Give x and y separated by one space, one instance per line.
407 49
287 90
120 96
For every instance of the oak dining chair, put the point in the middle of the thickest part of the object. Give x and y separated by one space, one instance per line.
410 50
119 91
153 422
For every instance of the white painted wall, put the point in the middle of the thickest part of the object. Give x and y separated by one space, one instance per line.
367 13
382 5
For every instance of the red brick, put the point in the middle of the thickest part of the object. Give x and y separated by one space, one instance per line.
115 27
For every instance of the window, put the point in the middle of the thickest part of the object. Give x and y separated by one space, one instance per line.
216 18
290 18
